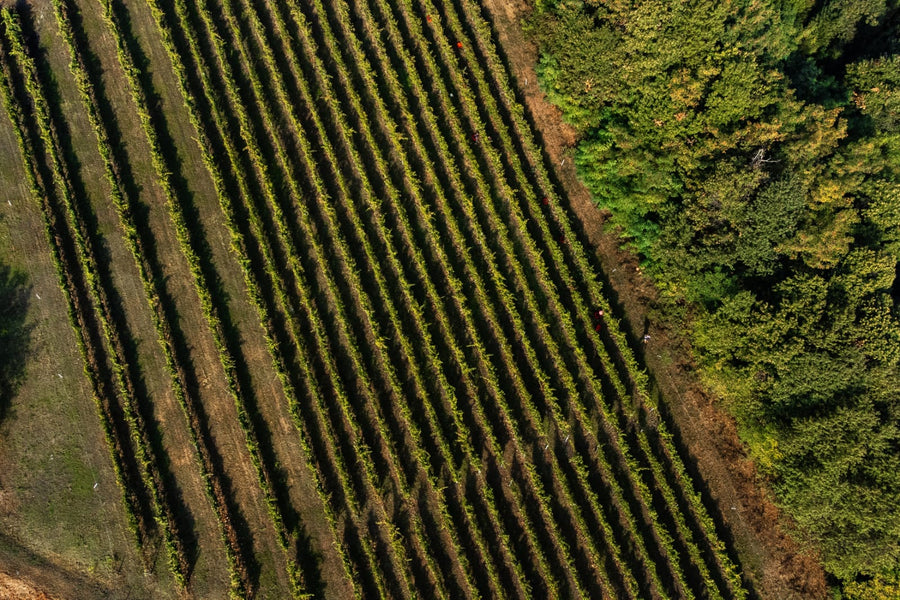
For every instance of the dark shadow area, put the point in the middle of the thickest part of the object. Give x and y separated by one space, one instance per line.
15 334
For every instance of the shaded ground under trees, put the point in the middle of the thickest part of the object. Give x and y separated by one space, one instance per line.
15 334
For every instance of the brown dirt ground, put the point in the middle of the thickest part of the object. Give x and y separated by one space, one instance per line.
776 564
17 589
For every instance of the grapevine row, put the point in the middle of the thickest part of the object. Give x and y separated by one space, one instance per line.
360 62
189 403
270 195
423 94
497 450
176 557
402 284
332 371
377 220
630 371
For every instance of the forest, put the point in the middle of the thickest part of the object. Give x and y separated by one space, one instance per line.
749 152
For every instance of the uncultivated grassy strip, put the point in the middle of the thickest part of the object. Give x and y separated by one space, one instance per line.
255 155
488 102
75 304
236 568
176 559
445 92
482 36
332 371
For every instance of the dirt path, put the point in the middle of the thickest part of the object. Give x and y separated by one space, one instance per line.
777 566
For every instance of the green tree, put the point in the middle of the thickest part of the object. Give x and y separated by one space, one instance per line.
840 479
